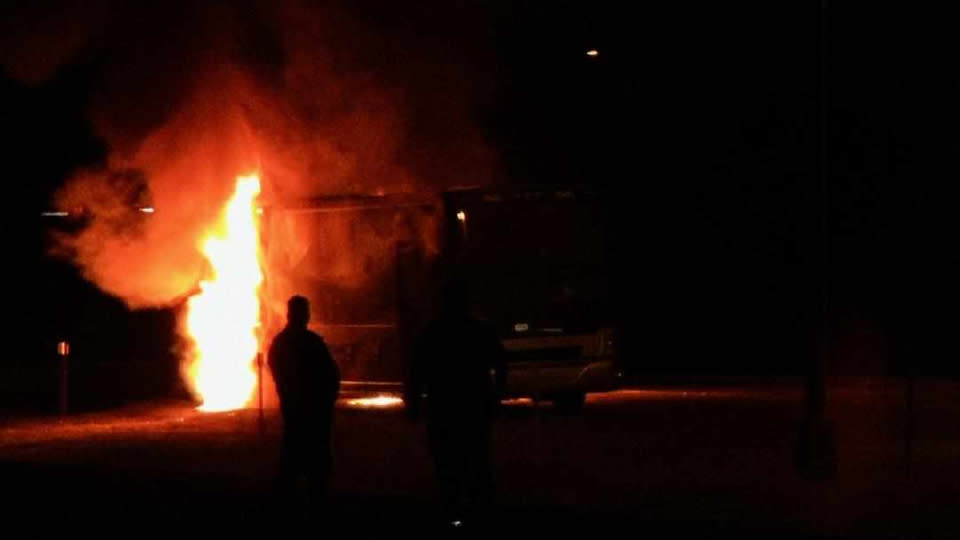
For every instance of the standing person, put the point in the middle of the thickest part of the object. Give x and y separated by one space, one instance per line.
458 363
307 381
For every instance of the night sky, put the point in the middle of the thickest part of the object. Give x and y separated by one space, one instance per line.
704 128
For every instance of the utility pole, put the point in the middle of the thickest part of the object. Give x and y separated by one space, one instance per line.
816 446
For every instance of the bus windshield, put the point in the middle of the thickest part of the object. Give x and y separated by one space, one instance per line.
539 264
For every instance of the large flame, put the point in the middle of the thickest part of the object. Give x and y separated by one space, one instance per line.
223 319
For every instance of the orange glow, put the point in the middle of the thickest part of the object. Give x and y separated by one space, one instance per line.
223 319
379 402
63 348
461 216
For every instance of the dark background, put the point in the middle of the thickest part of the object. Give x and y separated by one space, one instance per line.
771 180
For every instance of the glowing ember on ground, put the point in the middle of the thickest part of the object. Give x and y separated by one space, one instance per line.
517 401
375 402
223 318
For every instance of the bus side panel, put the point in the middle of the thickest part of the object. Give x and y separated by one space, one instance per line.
366 273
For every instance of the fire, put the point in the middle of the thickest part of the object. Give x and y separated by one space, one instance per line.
223 319
375 402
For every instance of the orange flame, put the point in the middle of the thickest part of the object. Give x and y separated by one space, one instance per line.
223 319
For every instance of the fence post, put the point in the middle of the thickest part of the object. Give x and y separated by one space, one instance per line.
261 423
63 352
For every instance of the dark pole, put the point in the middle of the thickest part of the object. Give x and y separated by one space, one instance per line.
815 457
818 390
816 396
260 420
910 430
63 351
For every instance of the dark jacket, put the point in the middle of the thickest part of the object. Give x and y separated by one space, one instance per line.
458 362
306 377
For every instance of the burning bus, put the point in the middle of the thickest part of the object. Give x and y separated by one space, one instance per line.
536 261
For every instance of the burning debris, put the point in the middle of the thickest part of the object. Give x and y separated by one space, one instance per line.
375 402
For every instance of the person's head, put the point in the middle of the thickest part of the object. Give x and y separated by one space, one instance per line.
455 298
298 311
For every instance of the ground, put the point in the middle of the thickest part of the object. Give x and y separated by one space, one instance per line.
677 461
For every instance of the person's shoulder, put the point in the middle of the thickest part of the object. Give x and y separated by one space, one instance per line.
487 332
279 339
316 338
483 325
436 325
432 328
279 348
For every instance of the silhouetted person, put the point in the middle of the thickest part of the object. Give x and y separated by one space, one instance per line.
453 363
307 381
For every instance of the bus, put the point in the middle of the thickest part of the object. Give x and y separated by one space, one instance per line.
536 261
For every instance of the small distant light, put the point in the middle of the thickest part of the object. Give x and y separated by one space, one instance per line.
147 210
593 53
521 327
63 348
461 216
55 214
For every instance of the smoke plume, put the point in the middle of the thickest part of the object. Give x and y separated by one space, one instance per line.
189 95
